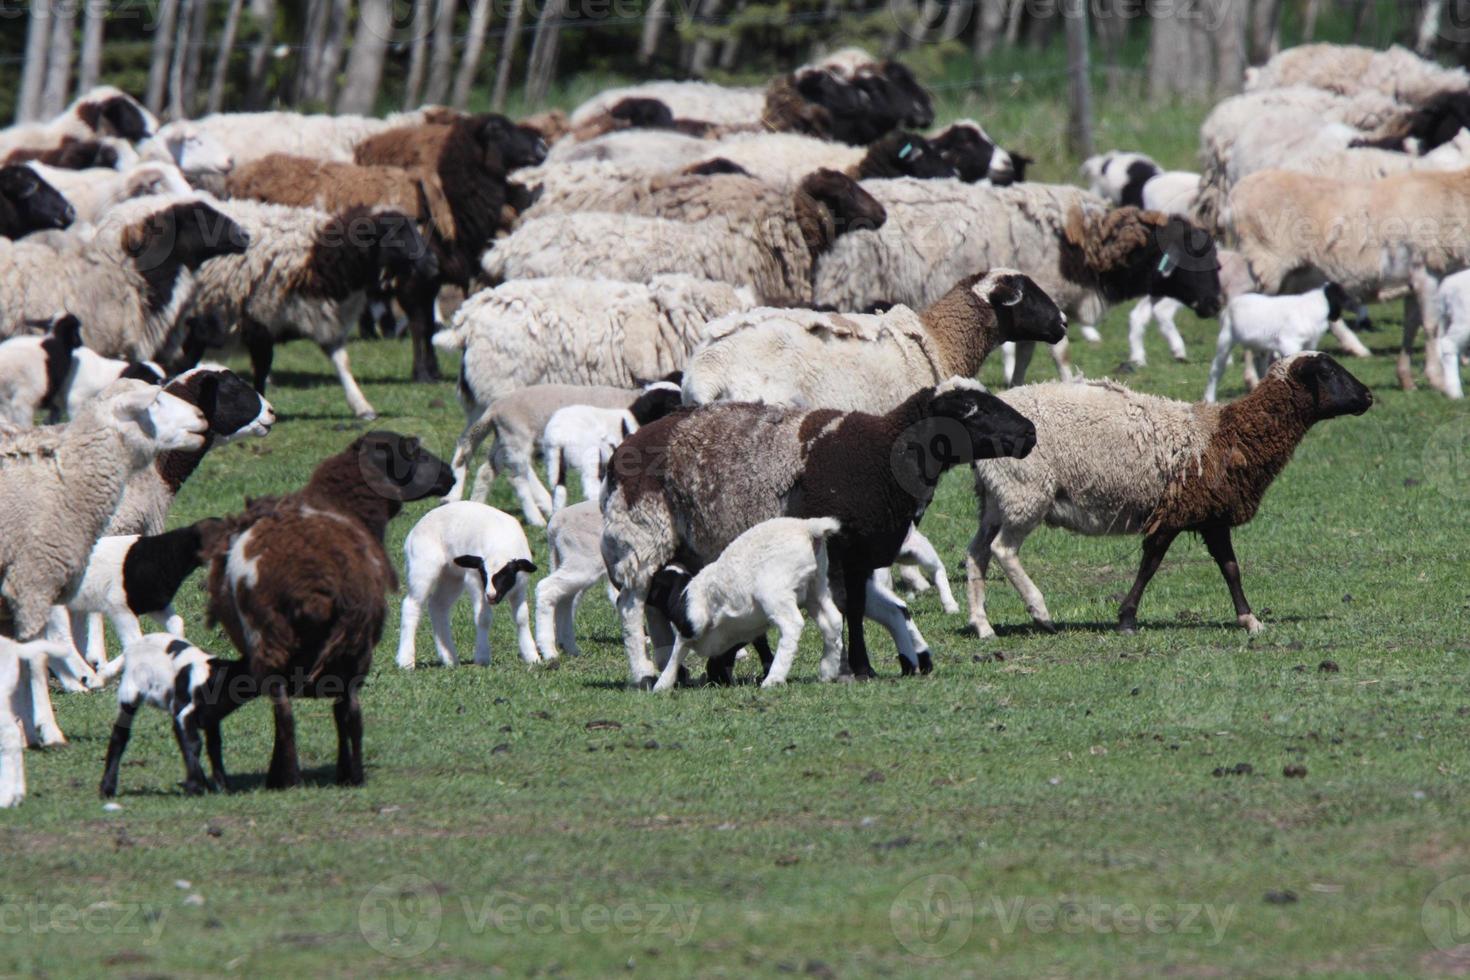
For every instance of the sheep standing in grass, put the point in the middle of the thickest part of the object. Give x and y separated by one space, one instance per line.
20 665
1276 326
574 547
764 578
465 546
868 363
1452 308
1111 461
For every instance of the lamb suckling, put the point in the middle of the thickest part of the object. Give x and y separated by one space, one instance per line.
196 690
866 362
574 547
766 577
583 331
29 203
1111 461
582 438
92 193
300 586
1277 326
465 547
20 664
687 485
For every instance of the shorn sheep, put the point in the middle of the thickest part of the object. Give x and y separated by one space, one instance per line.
28 203
868 363
300 587
689 484
197 692
764 578
584 331
1111 461
1084 255
465 547
1275 326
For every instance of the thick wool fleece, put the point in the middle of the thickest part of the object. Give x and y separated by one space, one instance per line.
1347 70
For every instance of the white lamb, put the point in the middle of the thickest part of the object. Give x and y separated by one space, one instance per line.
1277 326
1452 300
916 559
582 437
443 555
574 547
765 578
19 662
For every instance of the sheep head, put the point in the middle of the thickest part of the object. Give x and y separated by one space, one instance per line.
1023 310
904 154
110 112
830 204
1322 387
502 581
33 204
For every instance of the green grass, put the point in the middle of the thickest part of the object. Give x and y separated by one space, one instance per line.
1061 785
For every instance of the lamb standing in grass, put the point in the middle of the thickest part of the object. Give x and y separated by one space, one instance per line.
20 664
764 578
1452 307
465 546
574 548
1111 461
1276 326
582 438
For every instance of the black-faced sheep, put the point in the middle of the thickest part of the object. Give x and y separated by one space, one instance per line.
1112 461
687 485
300 587
102 111
28 203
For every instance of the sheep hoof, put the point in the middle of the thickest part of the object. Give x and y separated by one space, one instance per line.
645 683
1251 623
926 662
905 668
1127 367
1047 626
368 416
1128 626
192 788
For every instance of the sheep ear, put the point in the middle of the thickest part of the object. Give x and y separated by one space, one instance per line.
1005 292
478 564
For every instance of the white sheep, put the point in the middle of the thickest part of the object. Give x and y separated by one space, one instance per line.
574 547
584 331
95 191
582 438
1277 326
1452 306
249 136
20 664
704 101
35 370
764 578
1134 179
465 546
1348 69
101 111
640 150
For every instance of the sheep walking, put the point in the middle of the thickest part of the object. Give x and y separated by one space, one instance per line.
465 547
1111 461
764 578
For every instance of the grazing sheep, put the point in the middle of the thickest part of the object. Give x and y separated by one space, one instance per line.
102 111
465 546
94 192
1085 256
1111 461
29 203
306 274
197 692
574 547
764 578
129 285
517 421
863 362
20 664
1277 326
689 484
58 487
1368 236
583 331
299 587
1452 307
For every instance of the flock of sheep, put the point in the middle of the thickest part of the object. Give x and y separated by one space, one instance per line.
747 319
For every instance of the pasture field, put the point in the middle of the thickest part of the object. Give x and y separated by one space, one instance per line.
1078 804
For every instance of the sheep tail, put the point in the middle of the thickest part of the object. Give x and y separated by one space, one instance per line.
822 528
556 466
451 338
703 388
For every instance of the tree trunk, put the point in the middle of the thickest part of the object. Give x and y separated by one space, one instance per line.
222 57
1265 30
188 9
990 22
365 62
653 25
508 54
1429 27
1013 22
33 75
313 38
331 61
1309 20
542 63
1230 48
441 64
418 54
194 55
1173 69
263 14
89 65
163 40
704 47
1079 67
469 62
58 62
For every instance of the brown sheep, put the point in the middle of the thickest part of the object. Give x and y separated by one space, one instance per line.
299 586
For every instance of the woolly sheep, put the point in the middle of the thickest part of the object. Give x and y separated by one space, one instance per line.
584 331
28 203
574 550
868 363
686 100
689 484
1085 256
197 692
1345 69
764 578
1112 461
185 144
20 663
1277 326
101 111
458 547
582 438
93 192
249 136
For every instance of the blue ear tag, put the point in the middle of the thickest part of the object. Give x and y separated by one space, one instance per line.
1167 264
908 148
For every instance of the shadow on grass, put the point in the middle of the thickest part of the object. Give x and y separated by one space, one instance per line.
1110 628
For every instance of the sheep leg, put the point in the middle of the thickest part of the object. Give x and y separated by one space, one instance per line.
1348 339
122 731
977 565
170 620
788 624
1217 540
1425 286
347 712
1061 355
669 676
285 770
1155 546
855 582
1253 363
186 734
1406 349
928 558
631 602
912 578
124 624
408 627
41 727
829 621
720 669
660 634
1017 373
1449 355
521 612
1138 320
420 310
894 615
441 606
216 756
356 400
261 348
1164 312
1222 358
465 448
555 615
525 484
12 761
1007 551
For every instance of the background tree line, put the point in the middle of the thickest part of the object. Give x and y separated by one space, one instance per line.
187 57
